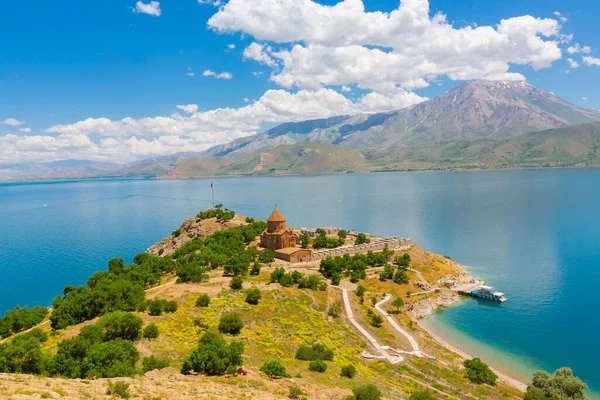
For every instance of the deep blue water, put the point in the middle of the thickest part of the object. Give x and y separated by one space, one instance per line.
535 234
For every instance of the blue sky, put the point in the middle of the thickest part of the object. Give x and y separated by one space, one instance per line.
62 63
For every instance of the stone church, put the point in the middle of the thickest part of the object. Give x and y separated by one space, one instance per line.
282 240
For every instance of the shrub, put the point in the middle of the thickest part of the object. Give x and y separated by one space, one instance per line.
213 356
170 306
152 363
400 277
274 369
376 320
336 279
277 274
286 280
367 392
361 238
155 307
118 389
398 303
150 332
253 296
562 384
295 392
335 309
317 366
266 256
255 269
230 323
316 352
203 300
478 372
111 359
348 371
120 325
177 232
360 291
422 395
249 220
236 283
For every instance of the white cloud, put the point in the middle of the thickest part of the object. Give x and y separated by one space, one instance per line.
246 100
343 44
215 3
346 88
561 17
572 63
25 130
577 48
221 75
231 46
152 8
190 108
191 74
12 122
585 98
591 61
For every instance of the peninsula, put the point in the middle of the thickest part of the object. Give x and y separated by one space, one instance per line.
229 307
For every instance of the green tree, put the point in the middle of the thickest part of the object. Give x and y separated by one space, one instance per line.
367 392
253 295
255 269
213 356
376 320
348 371
398 303
387 273
317 366
316 352
422 395
266 256
304 241
360 291
401 277
562 384
156 307
478 372
342 234
151 331
236 283
402 261
361 238
230 323
111 359
120 325
274 369
203 300
335 309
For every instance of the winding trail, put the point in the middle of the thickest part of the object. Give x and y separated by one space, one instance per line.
413 343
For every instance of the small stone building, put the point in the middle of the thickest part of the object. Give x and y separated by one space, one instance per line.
294 254
278 236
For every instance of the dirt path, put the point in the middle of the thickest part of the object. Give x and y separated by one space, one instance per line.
415 346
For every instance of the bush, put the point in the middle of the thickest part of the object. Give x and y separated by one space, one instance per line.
376 320
120 325
170 306
111 359
295 392
150 332
478 372
266 256
348 371
422 395
176 233
277 274
317 366
274 369
253 296
152 363
316 352
560 385
360 291
155 307
401 277
230 323
236 283
336 279
367 392
203 300
335 309
118 389
255 269
213 356
20 319
361 238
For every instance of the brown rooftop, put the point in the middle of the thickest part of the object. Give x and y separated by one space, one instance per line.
290 250
276 217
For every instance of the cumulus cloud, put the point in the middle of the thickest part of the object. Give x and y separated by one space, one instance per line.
577 48
190 108
343 44
12 122
152 8
572 63
346 88
561 17
231 46
25 130
591 61
221 75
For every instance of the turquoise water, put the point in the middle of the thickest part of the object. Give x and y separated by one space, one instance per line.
534 234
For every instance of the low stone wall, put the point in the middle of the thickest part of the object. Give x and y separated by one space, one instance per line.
375 245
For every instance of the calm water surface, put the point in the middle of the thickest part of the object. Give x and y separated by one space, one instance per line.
534 234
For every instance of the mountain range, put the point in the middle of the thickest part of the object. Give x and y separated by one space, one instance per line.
475 125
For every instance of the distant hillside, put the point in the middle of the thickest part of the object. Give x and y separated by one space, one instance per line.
495 109
66 169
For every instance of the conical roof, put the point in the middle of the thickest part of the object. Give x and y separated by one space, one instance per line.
276 217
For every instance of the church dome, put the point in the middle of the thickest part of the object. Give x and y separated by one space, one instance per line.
276 217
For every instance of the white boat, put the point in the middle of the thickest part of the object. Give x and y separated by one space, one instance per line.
488 292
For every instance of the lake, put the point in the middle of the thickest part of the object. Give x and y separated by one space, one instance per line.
533 234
